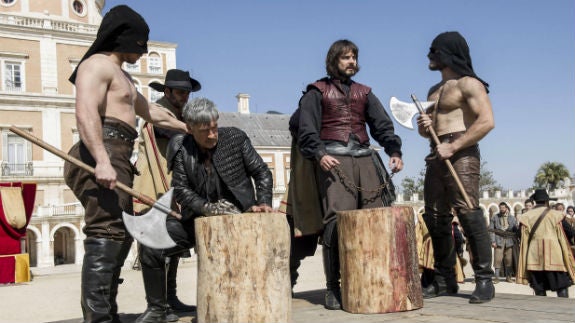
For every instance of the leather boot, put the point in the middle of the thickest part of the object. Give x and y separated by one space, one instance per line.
103 259
154 274
440 230
563 292
155 286
174 303
331 267
116 281
333 293
540 293
475 228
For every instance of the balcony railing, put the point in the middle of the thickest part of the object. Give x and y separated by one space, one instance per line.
49 24
70 209
11 169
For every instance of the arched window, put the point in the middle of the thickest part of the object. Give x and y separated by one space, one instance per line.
154 63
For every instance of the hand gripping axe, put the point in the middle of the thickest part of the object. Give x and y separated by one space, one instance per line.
403 112
149 229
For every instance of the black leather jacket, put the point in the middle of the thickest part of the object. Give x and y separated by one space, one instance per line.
236 162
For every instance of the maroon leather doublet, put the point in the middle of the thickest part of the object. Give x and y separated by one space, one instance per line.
343 114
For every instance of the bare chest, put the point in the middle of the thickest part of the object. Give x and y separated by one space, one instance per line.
122 96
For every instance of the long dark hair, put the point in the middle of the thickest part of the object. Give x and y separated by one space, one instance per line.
338 48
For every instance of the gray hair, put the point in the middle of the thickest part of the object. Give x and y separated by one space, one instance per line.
200 111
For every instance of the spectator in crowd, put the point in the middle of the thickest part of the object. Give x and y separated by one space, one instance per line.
546 261
502 227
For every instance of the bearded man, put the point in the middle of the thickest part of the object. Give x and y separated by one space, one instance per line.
331 131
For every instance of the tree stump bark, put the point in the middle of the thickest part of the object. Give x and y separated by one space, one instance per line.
243 268
378 260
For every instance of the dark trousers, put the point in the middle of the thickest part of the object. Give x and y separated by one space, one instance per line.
341 194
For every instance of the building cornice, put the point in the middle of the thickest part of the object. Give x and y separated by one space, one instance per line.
9 101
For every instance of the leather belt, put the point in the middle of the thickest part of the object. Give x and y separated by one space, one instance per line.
450 137
114 133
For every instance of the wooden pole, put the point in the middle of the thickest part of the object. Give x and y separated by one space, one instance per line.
145 199
378 260
243 268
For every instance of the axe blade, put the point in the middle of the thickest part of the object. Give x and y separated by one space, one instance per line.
150 228
403 112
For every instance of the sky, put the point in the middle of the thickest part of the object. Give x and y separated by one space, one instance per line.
525 50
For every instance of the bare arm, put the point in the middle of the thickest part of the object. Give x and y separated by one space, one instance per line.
157 115
477 100
423 122
92 82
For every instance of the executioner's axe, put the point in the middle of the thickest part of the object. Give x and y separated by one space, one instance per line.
403 112
149 229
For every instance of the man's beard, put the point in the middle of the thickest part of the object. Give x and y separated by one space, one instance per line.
344 75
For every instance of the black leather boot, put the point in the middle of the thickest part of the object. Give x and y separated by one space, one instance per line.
154 274
563 292
333 293
174 303
330 254
116 280
540 293
475 229
155 286
444 282
103 259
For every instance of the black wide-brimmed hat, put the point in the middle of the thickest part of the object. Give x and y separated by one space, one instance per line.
540 195
177 79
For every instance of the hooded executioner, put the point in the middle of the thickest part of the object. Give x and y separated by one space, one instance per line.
461 117
106 118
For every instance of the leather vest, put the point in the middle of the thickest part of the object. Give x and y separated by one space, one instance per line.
342 115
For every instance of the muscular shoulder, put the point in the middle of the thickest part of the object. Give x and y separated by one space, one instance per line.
470 86
99 66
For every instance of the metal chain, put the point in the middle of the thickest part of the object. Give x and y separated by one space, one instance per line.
346 182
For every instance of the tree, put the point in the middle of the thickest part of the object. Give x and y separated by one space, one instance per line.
550 175
413 185
486 180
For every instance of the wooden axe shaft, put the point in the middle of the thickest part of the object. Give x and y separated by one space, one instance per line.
447 161
144 198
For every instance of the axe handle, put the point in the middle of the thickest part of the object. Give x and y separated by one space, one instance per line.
144 198
447 161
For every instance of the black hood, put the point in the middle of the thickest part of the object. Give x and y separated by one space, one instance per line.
451 49
122 30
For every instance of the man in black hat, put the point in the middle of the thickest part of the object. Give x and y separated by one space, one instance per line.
155 181
545 261
461 117
176 89
106 106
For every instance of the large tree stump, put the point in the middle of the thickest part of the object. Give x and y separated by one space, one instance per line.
243 268
378 259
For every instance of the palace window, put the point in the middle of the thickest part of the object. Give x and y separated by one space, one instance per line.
133 68
16 154
7 3
154 63
79 7
13 76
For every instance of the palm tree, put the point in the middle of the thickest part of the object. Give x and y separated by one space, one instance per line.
550 175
